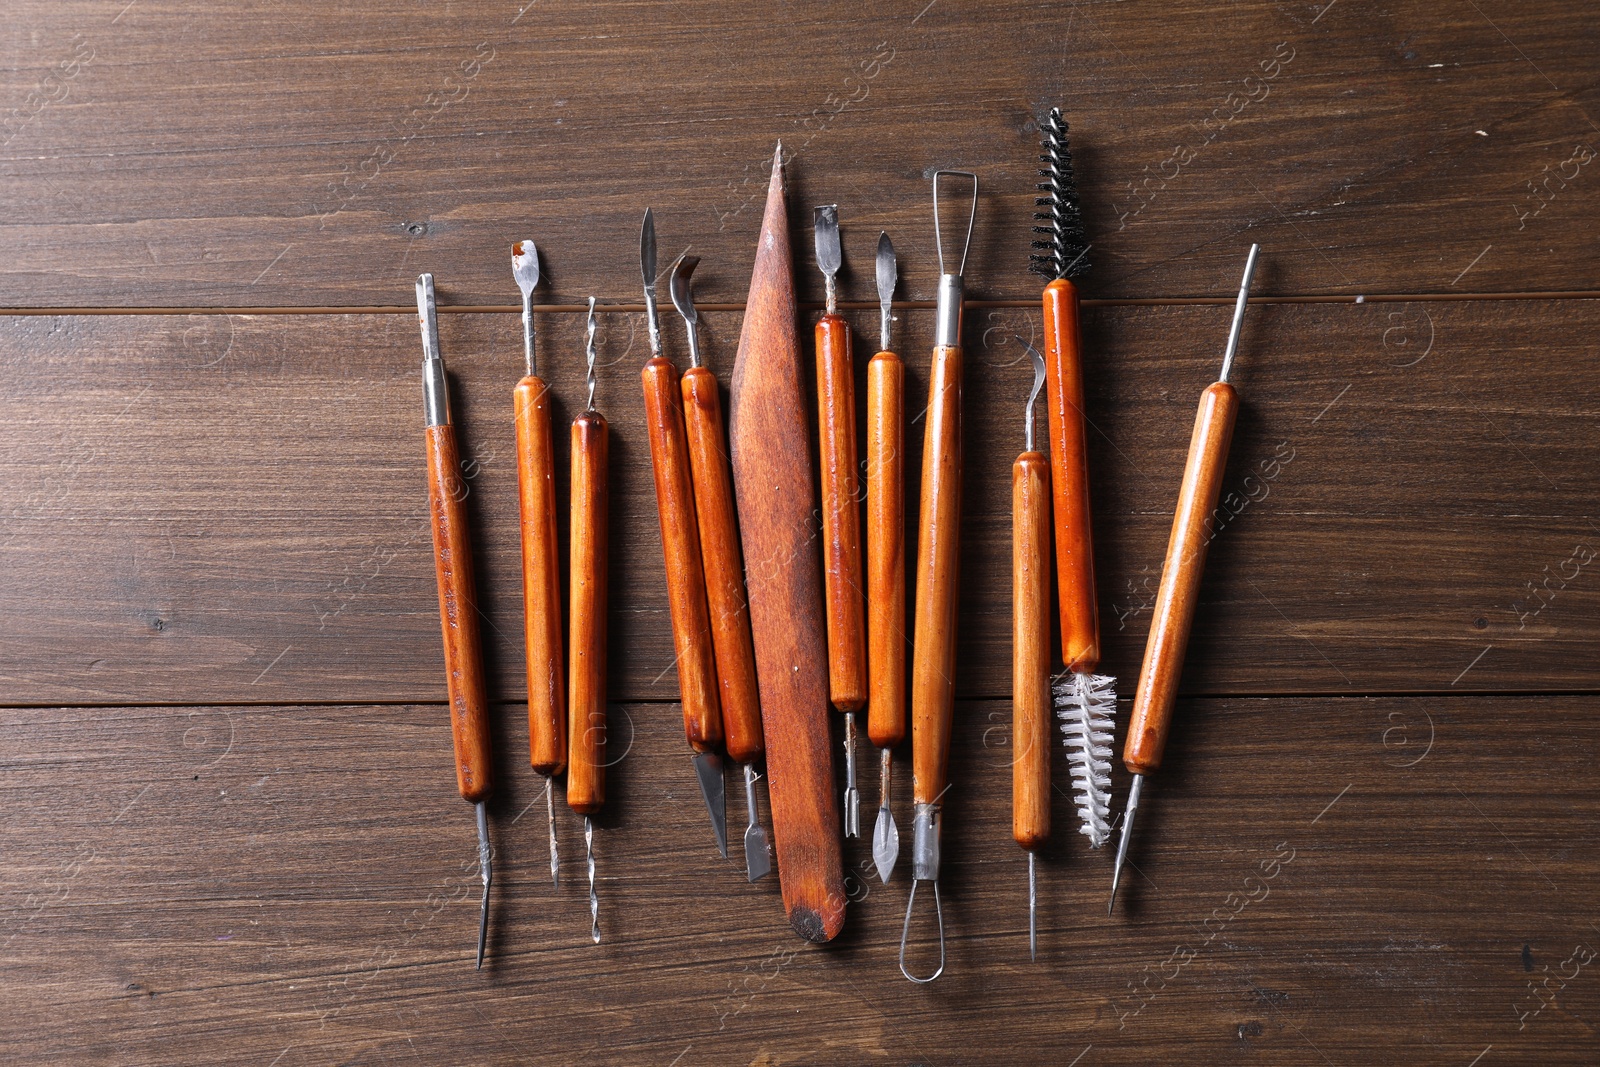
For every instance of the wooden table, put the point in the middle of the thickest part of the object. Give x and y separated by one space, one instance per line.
229 830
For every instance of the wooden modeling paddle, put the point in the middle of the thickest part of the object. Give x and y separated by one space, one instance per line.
774 483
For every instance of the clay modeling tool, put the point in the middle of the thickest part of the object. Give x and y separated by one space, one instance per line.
1085 701
458 598
841 517
723 565
1030 650
680 548
886 560
1179 591
939 522
772 478
541 574
586 773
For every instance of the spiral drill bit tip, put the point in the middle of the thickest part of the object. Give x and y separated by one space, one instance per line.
1065 251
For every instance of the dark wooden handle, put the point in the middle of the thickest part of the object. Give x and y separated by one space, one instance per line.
841 516
724 566
939 526
1180 579
458 616
541 577
680 548
1069 463
1030 650
886 550
586 775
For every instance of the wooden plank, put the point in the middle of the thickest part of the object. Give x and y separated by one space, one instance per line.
1336 880
160 155
232 509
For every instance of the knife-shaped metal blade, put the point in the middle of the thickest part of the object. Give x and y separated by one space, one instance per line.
647 268
708 770
829 255
888 274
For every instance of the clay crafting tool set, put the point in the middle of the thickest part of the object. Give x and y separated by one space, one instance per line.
785 564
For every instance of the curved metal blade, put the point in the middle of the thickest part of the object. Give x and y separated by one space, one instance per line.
679 285
647 250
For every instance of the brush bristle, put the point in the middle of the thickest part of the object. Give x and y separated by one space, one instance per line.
1087 707
1065 254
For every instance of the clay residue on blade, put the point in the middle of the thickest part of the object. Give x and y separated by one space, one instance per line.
775 485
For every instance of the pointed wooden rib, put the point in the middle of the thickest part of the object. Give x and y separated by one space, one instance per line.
774 483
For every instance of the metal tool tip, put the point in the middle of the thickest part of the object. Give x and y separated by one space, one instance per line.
525 265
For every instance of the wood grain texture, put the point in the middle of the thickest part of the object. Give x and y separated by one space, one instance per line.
1385 493
1032 718
591 607
225 883
1346 142
933 654
838 478
887 633
724 566
541 576
680 549
1195 523
465 683
772 476
1070 480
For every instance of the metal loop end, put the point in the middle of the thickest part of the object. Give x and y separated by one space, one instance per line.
905 931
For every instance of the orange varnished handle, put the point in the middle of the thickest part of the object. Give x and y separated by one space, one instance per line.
586 775
1069 462
1180 579
939 524
1030 650
724 565
886 550
680 549
841 516
458 616
541 577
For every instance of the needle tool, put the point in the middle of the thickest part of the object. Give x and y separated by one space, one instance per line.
1179 591
586 772
458 599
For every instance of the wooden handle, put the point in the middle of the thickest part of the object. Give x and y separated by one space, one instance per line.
1180 579
886 550
586 775
724 566
1030 650
680 548
1069 463
841 516
939 524
458 616
541 577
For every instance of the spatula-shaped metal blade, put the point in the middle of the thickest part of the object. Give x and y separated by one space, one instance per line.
757 853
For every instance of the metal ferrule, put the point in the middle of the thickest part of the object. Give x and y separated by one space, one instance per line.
947 329
528 354
925 841
831 294
694 343
652 321
435 393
